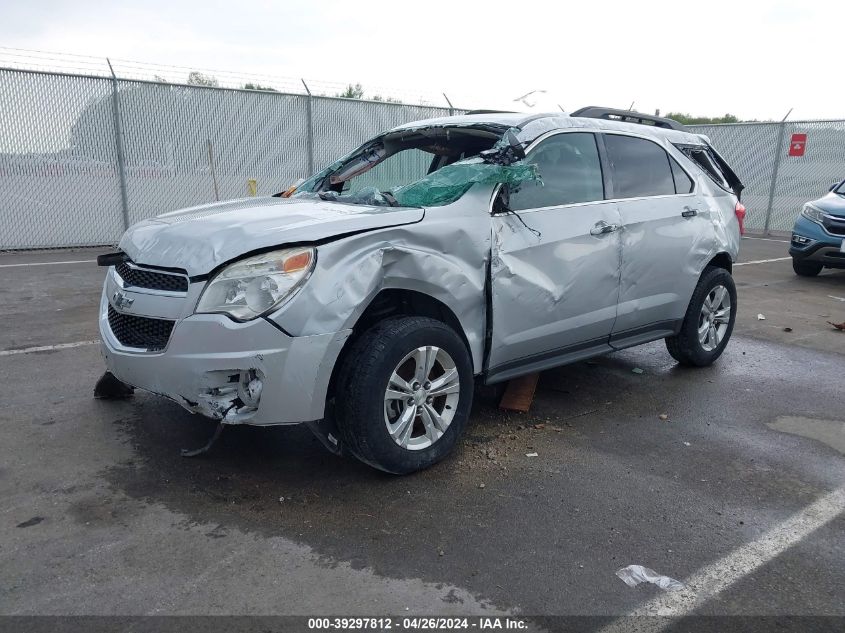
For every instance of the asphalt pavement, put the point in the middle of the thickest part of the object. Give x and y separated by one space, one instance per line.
728 478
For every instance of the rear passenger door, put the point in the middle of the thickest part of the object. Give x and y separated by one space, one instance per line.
664 221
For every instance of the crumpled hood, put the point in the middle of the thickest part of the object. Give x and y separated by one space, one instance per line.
199 239
832 203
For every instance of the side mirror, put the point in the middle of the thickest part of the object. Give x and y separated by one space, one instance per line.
834 186
506 152
516 147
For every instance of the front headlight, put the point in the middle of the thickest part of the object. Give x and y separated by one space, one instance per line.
251 287
812 213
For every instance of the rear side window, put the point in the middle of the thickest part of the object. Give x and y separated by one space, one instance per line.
639 167
705 159
683 183
571 172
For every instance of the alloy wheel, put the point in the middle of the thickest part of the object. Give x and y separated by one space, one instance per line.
714 318
421 397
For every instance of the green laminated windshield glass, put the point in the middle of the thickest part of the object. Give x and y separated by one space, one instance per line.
451 182
422 167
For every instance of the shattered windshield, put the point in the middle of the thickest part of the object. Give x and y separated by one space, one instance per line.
424 167
394 171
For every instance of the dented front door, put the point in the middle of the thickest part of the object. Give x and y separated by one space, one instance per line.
555 267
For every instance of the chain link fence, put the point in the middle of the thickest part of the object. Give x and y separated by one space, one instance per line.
783 165
51 194
82 157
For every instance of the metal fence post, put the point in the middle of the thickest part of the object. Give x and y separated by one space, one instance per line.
309 131
775 167
451 107
213 172
118 141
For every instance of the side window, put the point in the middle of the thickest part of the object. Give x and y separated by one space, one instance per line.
683 183
570 170
707 162
640 167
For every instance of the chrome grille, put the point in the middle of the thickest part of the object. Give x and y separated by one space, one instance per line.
836 226
142 278
141 332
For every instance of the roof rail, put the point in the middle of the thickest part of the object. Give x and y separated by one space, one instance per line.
627 116
490 112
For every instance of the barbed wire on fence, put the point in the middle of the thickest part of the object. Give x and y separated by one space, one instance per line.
50 61
82 156
84 153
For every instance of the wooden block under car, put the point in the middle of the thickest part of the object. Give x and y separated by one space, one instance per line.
519 394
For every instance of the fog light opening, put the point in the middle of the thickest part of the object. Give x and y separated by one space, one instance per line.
250 386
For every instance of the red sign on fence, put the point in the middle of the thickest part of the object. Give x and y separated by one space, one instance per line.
797 144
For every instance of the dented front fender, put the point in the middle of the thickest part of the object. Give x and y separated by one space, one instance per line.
444 257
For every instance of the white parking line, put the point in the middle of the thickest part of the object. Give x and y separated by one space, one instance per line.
75 261
763 261
717 577
766 239
46 348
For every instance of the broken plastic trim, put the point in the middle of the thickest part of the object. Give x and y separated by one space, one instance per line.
325 430
202 450
109 387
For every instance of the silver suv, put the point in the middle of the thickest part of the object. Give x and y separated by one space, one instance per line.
366 301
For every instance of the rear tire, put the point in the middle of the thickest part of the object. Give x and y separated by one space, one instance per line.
709 320
806 269
404 394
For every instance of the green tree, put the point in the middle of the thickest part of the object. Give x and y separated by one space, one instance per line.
352 92
688 119
252 86
196 78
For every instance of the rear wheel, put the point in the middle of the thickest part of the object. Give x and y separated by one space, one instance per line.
404 394
806 269
709 320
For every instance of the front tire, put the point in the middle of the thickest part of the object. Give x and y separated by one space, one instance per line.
709 320
806 269
404 394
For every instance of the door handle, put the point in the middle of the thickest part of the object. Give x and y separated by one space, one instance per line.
601 227
689 212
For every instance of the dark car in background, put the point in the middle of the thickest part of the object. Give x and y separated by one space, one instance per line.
818 237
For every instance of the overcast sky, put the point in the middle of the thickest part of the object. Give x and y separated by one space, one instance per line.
755 60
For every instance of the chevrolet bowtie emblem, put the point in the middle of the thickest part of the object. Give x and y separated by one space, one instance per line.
121 301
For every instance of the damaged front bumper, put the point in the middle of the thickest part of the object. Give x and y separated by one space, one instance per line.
238 373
